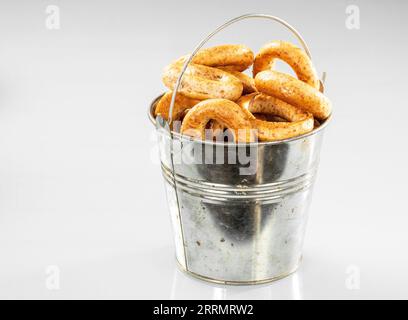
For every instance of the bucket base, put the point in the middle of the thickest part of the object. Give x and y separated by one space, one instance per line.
236 283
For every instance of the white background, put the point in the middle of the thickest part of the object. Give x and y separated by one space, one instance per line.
80 186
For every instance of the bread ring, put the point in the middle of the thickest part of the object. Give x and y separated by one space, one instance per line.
299 122
225 112
216 130
201 82
292 55
261 116
248 82
234 57
181 104
294 92
262 103
269 117
272 131
215 126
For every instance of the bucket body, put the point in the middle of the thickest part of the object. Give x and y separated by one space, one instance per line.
239 211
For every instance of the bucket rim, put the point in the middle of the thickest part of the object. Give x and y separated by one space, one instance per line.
178 136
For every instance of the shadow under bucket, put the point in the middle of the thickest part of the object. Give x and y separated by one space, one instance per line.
240 220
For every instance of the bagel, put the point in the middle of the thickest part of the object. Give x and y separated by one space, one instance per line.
181 104
248 83
223 111
297 59
272 131
202 82
297 122
231 56
294 92
269 117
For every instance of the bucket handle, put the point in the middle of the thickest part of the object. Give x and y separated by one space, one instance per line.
220 28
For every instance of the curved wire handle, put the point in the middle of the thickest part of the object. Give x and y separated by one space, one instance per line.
223 26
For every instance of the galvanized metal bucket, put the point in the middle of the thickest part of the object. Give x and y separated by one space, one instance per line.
239 211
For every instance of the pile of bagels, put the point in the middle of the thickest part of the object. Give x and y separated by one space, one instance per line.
216 96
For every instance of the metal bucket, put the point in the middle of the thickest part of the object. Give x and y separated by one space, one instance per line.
239 211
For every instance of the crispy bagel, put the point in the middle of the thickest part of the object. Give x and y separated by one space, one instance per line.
292 55
294 92
272 131
262 103
233 57
261 116
269 117
248 83
202 82
181 104
297 122
215 130
225 112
